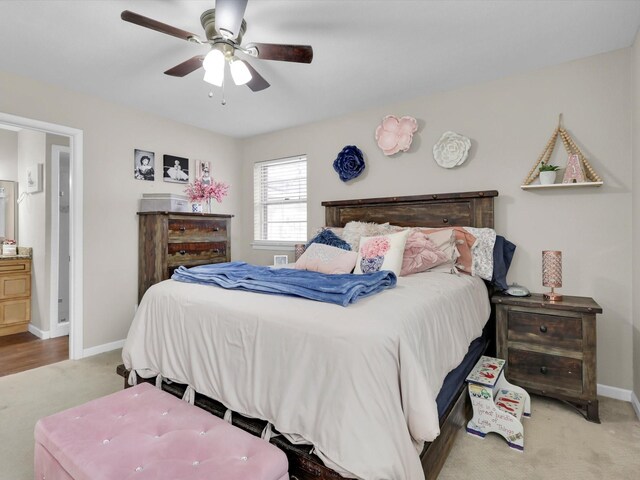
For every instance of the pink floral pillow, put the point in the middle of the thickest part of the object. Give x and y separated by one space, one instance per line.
420 254
326 259
383 252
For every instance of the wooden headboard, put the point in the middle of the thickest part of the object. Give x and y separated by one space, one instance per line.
469 209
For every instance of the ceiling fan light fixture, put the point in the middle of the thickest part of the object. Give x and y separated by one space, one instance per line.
214 60
213 65
214 77
239 71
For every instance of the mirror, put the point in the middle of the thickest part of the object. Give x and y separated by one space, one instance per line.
8 210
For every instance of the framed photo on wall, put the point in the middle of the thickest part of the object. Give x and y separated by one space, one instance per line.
144 165
176 169
34 178
204 171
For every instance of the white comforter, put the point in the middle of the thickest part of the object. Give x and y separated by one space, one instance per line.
359 383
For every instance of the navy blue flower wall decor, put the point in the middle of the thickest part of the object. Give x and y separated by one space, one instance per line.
349 164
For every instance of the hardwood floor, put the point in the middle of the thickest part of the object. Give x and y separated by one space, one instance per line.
24 351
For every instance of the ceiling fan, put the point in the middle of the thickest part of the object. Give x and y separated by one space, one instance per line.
224 28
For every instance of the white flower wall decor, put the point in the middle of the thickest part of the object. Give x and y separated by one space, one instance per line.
451 150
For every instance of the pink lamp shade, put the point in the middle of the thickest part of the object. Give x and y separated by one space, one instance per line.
552 273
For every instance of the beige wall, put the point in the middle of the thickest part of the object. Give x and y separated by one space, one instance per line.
509 122
111 132
636 215
32 215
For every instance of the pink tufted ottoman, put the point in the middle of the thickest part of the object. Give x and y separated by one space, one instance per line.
145 433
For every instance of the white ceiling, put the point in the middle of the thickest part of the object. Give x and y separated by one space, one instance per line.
366 52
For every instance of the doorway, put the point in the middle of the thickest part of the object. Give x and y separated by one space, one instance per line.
73 254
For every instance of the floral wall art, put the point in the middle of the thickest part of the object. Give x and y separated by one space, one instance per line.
451 150
395 134
349 163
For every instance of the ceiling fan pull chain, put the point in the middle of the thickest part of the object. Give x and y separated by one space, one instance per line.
224 102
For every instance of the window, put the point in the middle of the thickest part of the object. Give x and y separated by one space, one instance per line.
280 200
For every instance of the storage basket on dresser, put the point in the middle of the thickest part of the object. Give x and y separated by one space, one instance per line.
167 240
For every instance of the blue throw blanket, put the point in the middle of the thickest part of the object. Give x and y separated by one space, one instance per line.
338 289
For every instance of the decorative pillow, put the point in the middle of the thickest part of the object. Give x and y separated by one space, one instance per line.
464 242
336 230
420 254
327 237
482 252
354 230
502 255
445 241
383 252
326 259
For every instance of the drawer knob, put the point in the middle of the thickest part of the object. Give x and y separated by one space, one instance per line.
543 328
216 229
182 252
182 229
445 220
216 250
543 370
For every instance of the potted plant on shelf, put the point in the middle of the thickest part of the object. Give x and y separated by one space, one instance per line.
548 174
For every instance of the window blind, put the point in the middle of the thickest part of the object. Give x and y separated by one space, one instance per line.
280 200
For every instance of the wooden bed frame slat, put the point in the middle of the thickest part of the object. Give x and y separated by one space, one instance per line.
474 209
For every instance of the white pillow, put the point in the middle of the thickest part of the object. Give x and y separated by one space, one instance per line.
382 252
482 252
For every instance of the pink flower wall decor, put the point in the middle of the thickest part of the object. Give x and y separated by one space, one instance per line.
394 134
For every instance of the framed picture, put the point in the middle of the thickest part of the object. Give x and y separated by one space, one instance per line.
34 178
176 169
280 259
204 172
144 165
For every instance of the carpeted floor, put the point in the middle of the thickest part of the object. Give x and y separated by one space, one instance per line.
559 444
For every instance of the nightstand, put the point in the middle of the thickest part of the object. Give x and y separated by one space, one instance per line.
550 347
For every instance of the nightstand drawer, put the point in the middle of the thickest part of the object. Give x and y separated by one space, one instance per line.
195 230
551 330
544 371
191 254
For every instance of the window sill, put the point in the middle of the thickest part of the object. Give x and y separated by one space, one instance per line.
275 246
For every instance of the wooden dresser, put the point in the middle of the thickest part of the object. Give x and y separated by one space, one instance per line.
167 240
15 294
550 347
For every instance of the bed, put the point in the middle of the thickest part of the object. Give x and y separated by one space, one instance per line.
250 369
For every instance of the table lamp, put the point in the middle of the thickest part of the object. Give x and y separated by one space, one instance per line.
552 273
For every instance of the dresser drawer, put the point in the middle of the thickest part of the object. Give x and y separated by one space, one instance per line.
201 253
15 286
15 311
182 230
543 371
549 330
15 266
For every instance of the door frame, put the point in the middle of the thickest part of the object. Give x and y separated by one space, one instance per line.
55 329
76 138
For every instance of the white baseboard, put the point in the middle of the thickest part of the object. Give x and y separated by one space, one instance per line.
614 392
42 334
107 347
636 404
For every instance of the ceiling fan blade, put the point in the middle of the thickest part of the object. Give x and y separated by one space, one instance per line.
146 22
229 15
257 81
283 53
185 68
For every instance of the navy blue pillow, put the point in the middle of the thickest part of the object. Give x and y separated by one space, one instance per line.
327 237
503 252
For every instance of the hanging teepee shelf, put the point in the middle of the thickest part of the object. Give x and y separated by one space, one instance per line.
578 172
